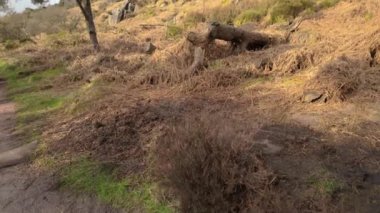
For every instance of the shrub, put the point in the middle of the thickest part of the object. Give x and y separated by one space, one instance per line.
327 3
13 28
211 168
249 16
34 22
289 9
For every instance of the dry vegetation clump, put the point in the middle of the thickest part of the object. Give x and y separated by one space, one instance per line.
117 129
345 77
167 67
218 78
293 61
117 62
211 167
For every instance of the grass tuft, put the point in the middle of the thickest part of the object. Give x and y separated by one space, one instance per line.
173 31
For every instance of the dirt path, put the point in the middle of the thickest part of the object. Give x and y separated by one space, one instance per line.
23 191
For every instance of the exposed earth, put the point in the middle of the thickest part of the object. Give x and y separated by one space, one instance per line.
22 190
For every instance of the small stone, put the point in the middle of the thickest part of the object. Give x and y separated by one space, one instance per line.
268 147
115 17
312 96
149 48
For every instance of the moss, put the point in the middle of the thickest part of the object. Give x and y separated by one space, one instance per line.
87 176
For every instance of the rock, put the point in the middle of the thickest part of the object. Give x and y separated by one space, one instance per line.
115 17
149 48
312 96
268 147
122 13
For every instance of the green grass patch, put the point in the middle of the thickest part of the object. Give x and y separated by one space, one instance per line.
327 3
89 177
325 182
327 186
148 11
250 15
36 104
17 84
368 16
289 9
173 31
32 103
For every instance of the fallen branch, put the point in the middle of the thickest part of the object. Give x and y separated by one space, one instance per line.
239 38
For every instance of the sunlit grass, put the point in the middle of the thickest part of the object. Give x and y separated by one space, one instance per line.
90 177
33 104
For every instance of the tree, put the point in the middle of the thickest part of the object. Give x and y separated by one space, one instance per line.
40 2
3 5
85 7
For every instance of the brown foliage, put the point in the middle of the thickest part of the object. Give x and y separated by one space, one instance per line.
211 168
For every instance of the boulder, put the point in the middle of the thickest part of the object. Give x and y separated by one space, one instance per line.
116 16
122 13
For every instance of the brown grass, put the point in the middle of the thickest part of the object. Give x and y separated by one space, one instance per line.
211 167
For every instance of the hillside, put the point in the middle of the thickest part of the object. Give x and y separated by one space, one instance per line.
290 127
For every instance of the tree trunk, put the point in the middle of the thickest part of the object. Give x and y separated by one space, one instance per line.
198 63
93 35
85 7
239 38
